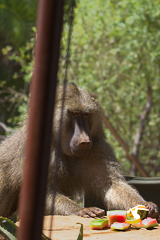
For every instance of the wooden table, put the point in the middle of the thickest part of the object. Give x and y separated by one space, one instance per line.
65 228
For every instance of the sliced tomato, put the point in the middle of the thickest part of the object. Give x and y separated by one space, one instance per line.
116 216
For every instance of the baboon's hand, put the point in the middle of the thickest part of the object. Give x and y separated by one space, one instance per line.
91 212
153 210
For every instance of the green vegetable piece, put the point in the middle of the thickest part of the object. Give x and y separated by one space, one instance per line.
80 235
142 213
99 224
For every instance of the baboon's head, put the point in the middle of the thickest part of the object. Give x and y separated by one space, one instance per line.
81 121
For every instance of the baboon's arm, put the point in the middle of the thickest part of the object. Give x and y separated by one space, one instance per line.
122 196
63 205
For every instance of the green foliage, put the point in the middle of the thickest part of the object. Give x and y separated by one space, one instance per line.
115 53
24 57
6 228
80 235
10 234
7 233
18 98
17 19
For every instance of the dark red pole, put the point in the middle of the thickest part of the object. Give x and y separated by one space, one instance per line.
43 88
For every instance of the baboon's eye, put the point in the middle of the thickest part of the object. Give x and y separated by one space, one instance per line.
86 114
74 114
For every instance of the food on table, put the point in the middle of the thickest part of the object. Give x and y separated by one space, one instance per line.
120 226
116 216
140 210
146 223
121 219
99 224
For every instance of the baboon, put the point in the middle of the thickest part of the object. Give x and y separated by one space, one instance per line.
87 162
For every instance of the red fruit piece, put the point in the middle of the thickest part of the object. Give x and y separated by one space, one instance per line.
146 223
116 216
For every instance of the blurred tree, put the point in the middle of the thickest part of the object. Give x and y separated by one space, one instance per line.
16 21
115 53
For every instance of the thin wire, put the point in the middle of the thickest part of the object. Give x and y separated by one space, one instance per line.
57 154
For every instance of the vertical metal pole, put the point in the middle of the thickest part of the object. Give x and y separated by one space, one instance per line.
43 88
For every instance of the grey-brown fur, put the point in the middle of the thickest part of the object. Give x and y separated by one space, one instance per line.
97 172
